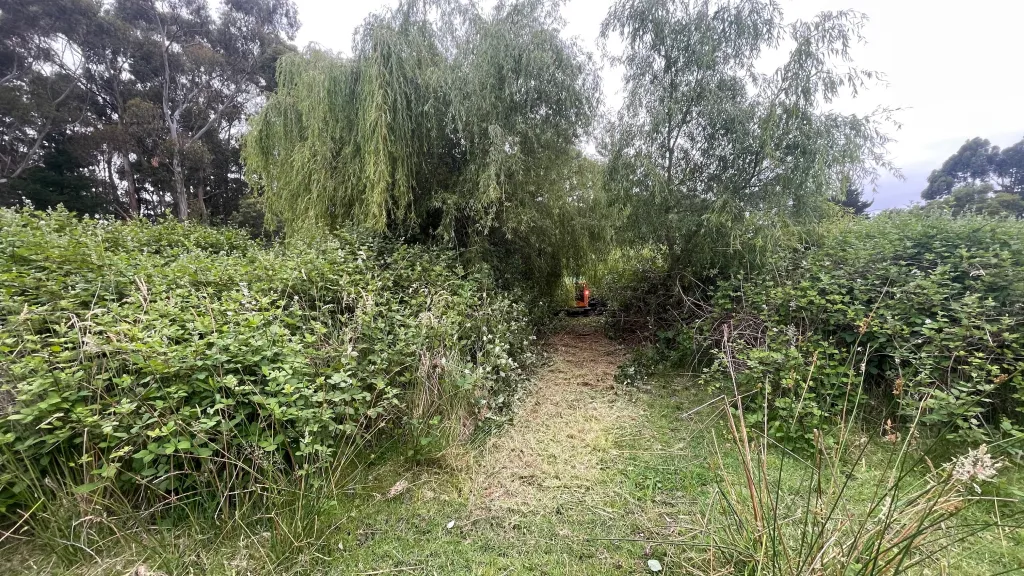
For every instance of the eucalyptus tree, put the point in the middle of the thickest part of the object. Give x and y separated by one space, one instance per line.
145 99
712 158
447 125
40 95
201 67
972 165
978 161
1010 169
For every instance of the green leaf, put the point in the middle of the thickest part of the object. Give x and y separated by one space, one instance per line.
86 488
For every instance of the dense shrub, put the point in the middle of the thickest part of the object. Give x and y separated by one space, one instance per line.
181 357
923 309
635 284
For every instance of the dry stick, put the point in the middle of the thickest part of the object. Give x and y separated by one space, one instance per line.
1002 537
24 517
745 446
390 570
666 542
701 407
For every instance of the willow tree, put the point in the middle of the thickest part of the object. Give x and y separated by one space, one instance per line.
716 161
446 125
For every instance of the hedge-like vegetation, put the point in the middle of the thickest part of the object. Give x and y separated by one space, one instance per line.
170 357
922 311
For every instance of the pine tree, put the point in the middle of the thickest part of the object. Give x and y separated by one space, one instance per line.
854 200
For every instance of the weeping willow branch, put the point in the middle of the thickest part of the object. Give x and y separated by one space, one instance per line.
447 125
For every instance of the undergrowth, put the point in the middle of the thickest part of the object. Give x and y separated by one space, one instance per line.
591 479
148 366
924 309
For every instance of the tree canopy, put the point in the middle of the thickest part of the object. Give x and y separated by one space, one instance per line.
853 199
447 125
143 101
716 160
977 162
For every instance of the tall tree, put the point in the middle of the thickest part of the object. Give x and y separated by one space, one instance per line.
109 73
977 162
1010 169
39 90
447 125
196 67
92 73
980 198
714 160
63 177
973 163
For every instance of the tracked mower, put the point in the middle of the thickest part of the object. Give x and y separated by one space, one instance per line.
585 305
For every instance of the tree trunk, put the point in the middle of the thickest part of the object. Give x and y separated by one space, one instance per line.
134 209
108 161
204 216
180 192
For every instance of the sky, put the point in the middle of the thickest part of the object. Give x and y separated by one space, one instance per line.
951 68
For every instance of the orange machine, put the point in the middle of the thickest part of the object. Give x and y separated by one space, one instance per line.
582 295
583 305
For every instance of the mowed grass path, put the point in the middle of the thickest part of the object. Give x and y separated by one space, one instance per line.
589 479
577 485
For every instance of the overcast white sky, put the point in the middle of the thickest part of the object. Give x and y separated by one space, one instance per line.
953 67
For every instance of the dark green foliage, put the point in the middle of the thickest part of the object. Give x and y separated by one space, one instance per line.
974 162
155 94
62 178
979 162
170 358
854 200
923 309
251 217
448 126
1010 168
